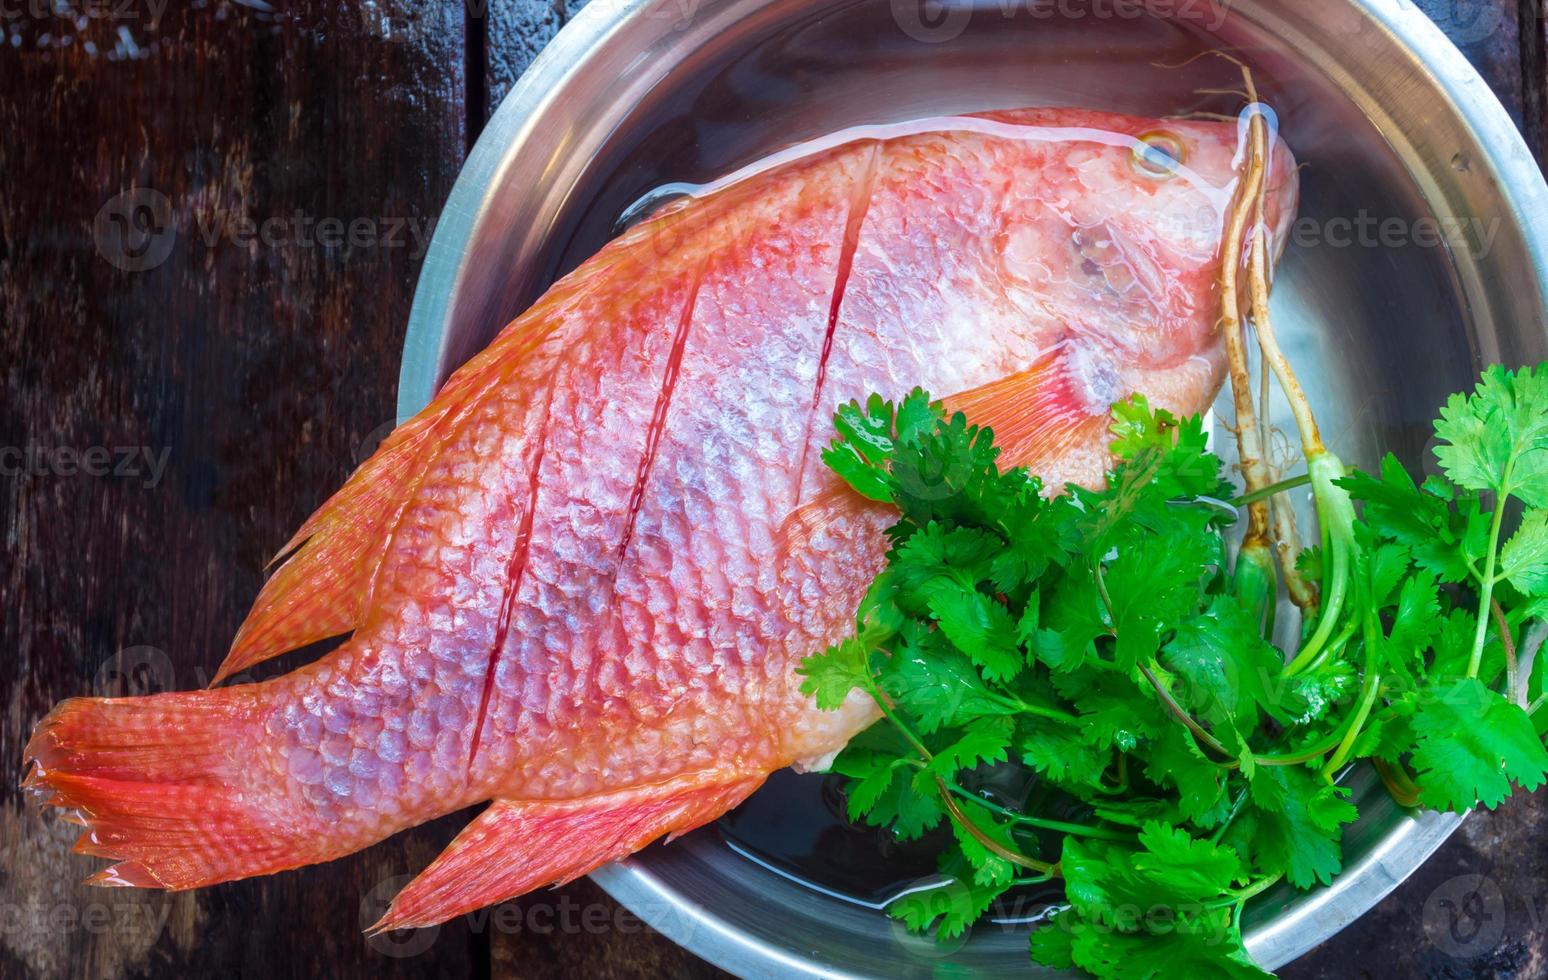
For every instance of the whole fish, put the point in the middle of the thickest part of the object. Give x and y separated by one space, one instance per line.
579 582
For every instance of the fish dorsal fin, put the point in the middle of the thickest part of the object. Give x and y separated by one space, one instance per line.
328 568
516 846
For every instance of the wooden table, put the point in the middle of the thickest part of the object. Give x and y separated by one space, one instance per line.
169 413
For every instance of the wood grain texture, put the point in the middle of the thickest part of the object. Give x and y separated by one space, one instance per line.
172 405
255 360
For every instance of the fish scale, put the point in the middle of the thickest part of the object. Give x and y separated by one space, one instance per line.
580 581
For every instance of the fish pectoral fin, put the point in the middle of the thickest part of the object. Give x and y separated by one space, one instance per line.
517 845
1036 414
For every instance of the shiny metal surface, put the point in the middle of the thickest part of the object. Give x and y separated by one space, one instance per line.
1391 120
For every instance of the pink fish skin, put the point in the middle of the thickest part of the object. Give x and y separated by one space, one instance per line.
579 582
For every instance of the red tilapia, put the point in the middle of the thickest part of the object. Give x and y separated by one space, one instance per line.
579 582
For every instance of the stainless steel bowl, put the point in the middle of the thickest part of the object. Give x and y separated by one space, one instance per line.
1422 254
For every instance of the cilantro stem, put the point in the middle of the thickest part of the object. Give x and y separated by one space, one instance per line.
1333 648
1022 707
1336 515
1074 829
1271 490
1307 754
1510 648
1023 880
1486 583
1107 600
1242 895
1399 785
1236 807
1171 704
1182 715
1371 682
1346 744
1531 642
989 843
886 710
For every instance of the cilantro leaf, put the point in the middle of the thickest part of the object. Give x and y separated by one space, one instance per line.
828 677
1496 439
984 741
1421 520
1298 820
1472 744
952 906
1225 663
1524 558
940 687
980 627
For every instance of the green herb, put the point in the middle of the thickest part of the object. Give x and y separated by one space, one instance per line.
1096 651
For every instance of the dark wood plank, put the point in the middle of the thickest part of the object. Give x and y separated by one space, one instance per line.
256 366
1489 32
517 31
1534 75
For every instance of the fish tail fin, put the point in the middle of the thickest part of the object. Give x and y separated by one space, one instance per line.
156 783
516 846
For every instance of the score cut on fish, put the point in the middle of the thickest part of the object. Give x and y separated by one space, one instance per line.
579 582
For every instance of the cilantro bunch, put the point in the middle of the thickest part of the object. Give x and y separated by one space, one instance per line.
1085 690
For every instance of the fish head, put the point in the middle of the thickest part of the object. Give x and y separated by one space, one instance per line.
1112 230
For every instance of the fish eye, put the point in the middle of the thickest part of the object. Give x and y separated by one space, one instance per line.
1158 154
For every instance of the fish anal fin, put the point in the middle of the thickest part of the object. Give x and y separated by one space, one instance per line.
516 846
